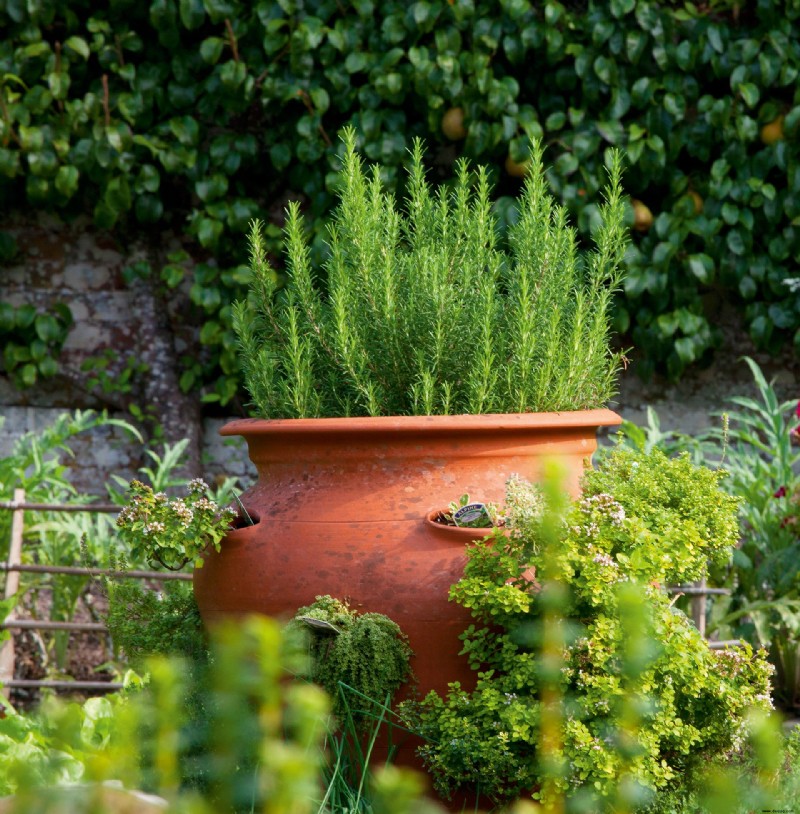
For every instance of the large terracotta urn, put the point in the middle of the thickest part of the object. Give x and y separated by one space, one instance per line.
342 507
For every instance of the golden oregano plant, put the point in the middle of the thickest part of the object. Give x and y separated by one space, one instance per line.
418 310
594 693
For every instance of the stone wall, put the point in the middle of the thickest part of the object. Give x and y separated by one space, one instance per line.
107 451
75 264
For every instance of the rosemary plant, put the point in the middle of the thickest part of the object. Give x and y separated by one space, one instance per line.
419 311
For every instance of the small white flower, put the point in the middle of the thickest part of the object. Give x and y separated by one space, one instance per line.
198 486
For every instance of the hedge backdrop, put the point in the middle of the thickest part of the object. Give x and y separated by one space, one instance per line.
198 115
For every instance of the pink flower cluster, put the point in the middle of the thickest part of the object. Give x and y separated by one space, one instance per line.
792 518
796 430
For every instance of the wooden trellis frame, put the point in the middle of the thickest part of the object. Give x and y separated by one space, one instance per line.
14 567
699 592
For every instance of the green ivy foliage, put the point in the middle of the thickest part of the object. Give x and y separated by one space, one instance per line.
32 340
204 113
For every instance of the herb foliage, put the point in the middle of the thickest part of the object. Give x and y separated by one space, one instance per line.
591 685
419 311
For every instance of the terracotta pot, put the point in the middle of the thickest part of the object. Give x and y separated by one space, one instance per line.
343 509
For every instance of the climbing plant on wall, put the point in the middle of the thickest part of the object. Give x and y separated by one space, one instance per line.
202 114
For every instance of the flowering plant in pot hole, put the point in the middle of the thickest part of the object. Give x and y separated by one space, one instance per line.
422 360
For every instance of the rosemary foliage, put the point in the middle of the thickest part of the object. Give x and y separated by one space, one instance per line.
419 311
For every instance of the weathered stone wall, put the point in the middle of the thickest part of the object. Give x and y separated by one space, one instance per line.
81 267
109 450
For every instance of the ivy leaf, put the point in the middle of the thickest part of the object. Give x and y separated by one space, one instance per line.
663 253
27 375
730 213
118 194
675 105
702 267
685 348
233 74
735 242
192 13
218 10
24 316
35 49
605 70
67 180
210 332
63 313
149 179
356 62
211 49
172 275
7 317
185 129
715 39
280 155
683 55
211 187
148 208
612 132
761 330
164 20
750 93
48 328
78 45
619 8
38 350
209 232
310 34
320 98
48 367
565 164
187 380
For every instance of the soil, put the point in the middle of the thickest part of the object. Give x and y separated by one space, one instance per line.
89 654
688 406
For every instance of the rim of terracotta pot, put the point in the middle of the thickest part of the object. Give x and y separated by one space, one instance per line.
497 422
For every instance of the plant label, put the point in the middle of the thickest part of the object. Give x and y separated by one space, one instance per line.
473 515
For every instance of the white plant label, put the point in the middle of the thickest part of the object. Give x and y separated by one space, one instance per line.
473 515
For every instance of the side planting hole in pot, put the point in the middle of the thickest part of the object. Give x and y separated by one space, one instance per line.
437 522
245 518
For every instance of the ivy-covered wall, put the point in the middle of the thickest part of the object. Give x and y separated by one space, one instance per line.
198 115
